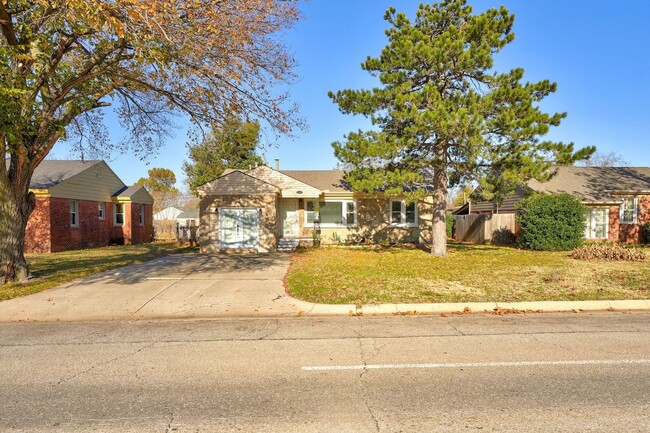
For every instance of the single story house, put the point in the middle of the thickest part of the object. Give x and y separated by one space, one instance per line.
617 199
264 209
84 204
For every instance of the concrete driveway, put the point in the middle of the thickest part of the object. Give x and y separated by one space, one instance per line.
178 286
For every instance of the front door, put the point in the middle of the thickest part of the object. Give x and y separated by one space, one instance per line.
239 228
290 218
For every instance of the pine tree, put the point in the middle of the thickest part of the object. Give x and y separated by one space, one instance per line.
443 116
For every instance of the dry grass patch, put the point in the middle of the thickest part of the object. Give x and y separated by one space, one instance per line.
469 273
54 269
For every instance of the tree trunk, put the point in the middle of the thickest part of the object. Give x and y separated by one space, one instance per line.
438 224
15 208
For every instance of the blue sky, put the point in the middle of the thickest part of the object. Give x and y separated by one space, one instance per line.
597 51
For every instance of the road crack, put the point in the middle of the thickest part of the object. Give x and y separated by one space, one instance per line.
101 364
362 382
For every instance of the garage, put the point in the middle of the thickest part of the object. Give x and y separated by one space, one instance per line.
239 228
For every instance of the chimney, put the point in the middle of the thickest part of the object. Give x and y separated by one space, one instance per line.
277 164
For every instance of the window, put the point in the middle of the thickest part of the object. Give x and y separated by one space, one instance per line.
101 207
118 214
403 213
628 210
141 214
74 213
597 223
331 213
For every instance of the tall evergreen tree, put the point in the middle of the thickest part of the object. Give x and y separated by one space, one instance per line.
443 116
231 145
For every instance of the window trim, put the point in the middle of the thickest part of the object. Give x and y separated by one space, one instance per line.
344 208
590 228
402 222
635 211
101 206
74 224
115 213
142 214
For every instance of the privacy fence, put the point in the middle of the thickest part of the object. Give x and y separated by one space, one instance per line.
498 229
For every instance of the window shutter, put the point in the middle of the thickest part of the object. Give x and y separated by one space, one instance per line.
607 223
636 206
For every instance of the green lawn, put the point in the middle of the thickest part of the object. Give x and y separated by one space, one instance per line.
470 273
50 270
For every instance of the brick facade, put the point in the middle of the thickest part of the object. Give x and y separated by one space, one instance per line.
49 228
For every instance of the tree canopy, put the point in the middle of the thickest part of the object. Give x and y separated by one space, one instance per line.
443 116
233 144
62 61
159 180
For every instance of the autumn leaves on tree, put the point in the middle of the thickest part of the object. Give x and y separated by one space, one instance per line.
62 61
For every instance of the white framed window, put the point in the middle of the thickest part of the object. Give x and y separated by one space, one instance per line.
141 214
597 223
331 213
118 214
74 213
101 209
403 213
628 212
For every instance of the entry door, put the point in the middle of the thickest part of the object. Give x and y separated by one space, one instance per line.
290 221
239 228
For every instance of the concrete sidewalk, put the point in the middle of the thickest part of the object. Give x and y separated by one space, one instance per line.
204 286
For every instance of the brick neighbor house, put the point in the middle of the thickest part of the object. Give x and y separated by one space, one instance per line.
617 200
84 204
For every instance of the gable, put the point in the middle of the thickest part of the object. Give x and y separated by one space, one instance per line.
237 183
291 188
96 182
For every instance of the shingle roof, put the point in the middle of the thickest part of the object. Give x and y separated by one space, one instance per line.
188 214
326 180
53 172
595 184
128 191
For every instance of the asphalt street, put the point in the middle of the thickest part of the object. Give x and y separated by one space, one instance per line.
537 372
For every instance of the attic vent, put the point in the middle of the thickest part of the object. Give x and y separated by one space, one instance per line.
298 192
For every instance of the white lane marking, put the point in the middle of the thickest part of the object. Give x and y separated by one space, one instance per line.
477 364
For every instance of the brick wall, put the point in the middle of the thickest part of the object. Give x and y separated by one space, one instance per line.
49 229
37 235
91 231
632 233
139 233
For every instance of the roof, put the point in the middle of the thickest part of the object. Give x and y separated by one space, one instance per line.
595 184
52 172
136 193
325 180
189 214
169 213
237 182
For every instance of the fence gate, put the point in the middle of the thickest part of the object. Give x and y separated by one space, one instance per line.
484 228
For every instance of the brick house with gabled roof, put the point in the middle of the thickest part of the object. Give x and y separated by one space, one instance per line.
617 199
84 204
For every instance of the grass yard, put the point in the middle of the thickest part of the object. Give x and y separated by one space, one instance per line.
50 270
469 273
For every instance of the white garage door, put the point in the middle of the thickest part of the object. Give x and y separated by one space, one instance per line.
239 228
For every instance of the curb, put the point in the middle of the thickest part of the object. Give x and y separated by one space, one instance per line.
473 307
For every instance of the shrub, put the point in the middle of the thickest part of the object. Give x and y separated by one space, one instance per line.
551 222
607 252
451 226
646 232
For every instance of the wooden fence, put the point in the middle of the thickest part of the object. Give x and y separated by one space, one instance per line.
486 228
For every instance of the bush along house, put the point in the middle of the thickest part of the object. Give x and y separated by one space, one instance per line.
265 209
84 204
